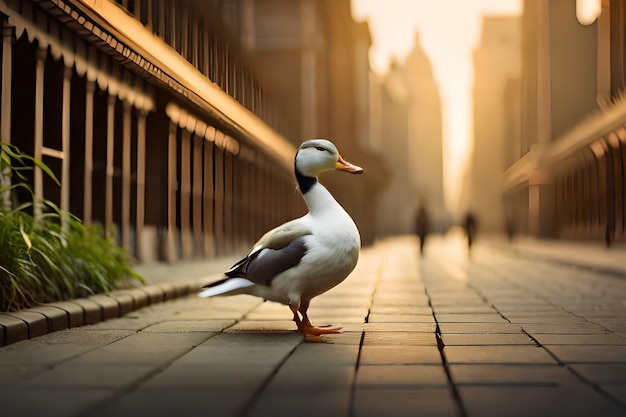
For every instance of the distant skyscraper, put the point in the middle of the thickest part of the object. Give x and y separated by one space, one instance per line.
425 147
497 63
408 134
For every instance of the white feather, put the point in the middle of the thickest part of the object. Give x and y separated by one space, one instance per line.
228 286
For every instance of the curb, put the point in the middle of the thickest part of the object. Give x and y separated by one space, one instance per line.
36 321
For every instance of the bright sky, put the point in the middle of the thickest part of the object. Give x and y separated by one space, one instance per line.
449 31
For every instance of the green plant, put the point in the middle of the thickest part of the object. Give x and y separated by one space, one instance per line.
54 257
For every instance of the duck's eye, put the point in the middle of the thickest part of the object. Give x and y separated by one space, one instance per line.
319 148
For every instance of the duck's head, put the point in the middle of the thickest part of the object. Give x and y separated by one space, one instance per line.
318 155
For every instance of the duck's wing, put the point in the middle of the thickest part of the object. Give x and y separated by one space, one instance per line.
278 250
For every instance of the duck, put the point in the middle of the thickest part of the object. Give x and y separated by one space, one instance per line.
304 257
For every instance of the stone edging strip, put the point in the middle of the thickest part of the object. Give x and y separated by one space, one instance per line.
36 321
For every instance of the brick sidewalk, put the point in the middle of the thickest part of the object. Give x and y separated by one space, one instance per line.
494 335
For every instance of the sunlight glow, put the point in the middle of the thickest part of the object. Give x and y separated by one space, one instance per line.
587 11
449 31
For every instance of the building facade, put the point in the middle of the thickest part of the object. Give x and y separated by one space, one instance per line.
315 58
153 119
568 179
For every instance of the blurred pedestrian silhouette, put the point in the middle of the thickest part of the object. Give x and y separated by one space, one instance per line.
469 224
422 225
510 229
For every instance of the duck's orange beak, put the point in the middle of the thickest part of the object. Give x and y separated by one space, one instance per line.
343 165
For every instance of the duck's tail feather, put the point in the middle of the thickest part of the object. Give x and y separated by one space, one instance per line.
226 286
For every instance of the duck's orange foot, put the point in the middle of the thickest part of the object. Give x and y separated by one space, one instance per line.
319 330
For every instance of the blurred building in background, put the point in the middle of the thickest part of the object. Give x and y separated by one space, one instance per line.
425 133
407 133
568 178
497 69
314 58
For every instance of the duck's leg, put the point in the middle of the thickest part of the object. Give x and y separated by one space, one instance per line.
296 318
308 328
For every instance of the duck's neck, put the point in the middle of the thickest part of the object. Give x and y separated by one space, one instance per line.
318 199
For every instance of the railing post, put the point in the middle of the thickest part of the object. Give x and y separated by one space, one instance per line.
88 174
141 181
5 106
65 145
110 166
38 139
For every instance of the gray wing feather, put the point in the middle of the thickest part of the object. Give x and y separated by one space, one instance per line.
263 265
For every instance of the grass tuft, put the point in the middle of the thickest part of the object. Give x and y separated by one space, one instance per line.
42 261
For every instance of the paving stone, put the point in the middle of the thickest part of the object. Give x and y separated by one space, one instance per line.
36 322
589 353
580 328
400 327
524 401
498 374
254 349
263 326
479 328
545 319
12 374
617 391
13 328
55 348
405 375
399 355
73 375
180 375
168 402
261 340
294 378
57 319
402 310
86 335
110 307
399 339
184 326
465 309
497 354
473 339
469 318
145 349
75 313
580 339
18 401
404 318
601 373
303 404
322 354
404 402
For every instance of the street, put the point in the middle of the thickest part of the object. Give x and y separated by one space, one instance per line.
493 334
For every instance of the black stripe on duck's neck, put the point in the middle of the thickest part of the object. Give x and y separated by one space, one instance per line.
305 183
